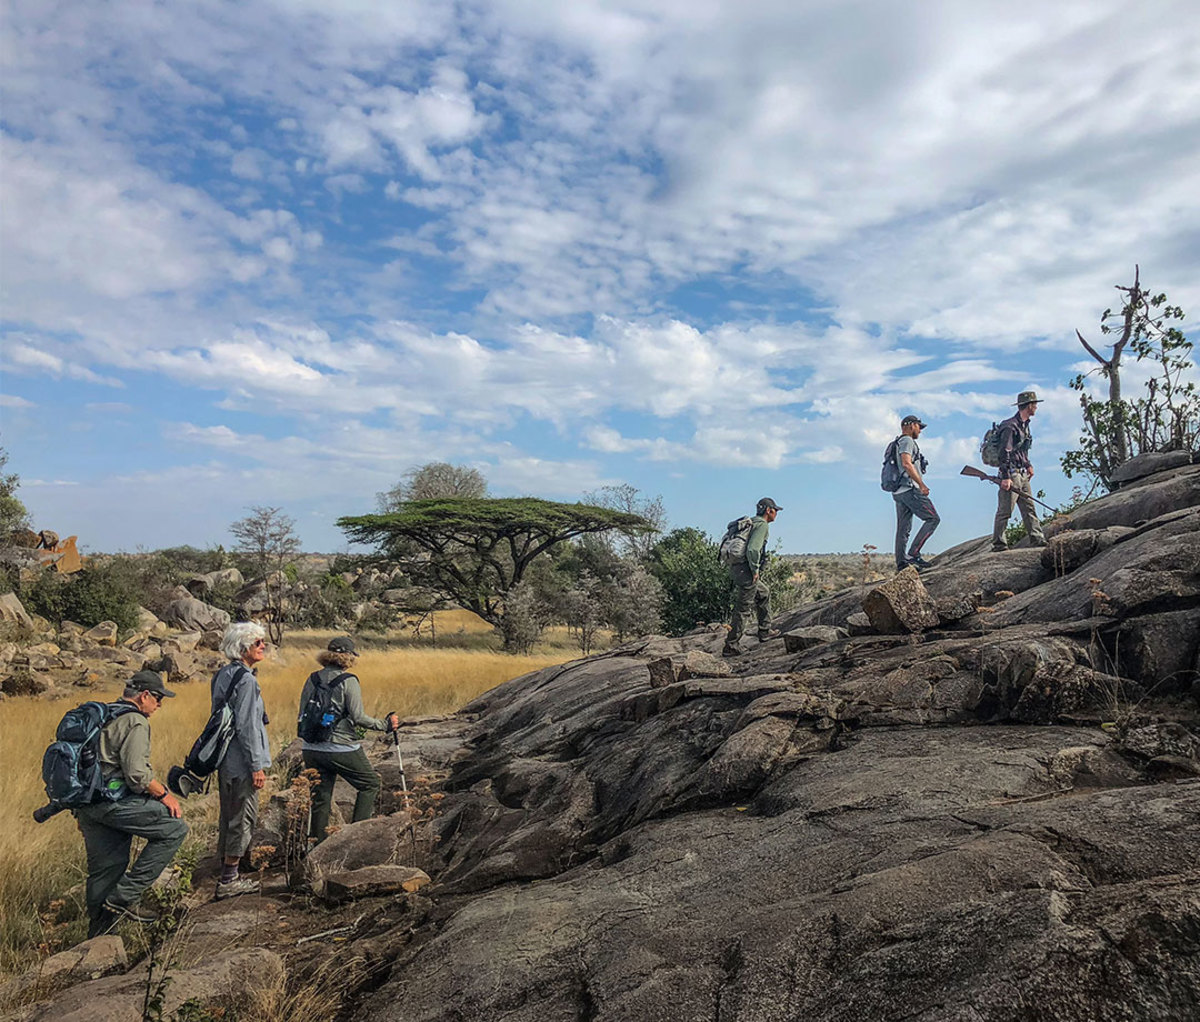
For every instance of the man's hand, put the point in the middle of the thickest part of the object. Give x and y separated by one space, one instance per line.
258 778
1030 471
755 579
1006 484
172 804
924 490
393 721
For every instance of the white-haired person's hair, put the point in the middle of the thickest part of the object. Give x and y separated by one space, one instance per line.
240 637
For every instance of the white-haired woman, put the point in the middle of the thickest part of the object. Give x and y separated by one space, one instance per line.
331 711
243 770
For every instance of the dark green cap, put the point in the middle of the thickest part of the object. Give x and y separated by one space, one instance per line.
149 681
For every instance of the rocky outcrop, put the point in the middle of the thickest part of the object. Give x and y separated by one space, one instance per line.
193 615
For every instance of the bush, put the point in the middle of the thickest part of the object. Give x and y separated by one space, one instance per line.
697 586
106 592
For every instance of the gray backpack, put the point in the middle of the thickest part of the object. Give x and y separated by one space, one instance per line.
733 543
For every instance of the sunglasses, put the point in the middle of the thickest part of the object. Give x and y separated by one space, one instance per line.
258 642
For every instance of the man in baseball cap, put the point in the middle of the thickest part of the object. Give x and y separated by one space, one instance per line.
744 568
912 496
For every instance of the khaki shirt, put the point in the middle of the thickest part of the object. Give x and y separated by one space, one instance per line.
125 751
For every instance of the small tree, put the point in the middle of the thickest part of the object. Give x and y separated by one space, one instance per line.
1166 417
13 514
432 481
474 551
625 498
267 538
632 604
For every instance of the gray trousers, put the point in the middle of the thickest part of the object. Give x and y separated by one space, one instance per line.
108 830
908 503
239 814
748 593
1022 496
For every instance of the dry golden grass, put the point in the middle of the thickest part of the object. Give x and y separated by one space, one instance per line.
40 861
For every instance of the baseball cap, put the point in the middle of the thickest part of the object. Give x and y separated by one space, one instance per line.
912 418
766 504
149 681
342 644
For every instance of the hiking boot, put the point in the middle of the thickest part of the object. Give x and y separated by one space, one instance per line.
235 887
130 913
1037 542
770 633
730 650
920 563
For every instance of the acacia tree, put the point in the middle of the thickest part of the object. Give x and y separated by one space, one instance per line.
433 480
267 537
1166 417
476 551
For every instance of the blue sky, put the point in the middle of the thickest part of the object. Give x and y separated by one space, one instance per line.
279 252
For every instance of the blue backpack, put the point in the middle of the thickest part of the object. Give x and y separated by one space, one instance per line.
71 764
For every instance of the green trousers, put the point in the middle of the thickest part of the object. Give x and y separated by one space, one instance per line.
357 769
748 594
108 830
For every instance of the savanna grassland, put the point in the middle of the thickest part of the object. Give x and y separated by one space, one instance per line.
41 862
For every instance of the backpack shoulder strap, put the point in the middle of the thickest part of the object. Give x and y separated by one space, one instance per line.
341 678
238 677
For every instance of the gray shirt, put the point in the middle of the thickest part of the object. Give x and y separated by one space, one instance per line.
250 750
125 751
906 445
346 702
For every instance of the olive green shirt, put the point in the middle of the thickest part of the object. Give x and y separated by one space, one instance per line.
125 751
756 543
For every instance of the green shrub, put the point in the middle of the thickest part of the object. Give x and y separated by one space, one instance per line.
106 592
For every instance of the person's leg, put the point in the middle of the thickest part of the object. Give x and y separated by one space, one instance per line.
240 809
923 508
357 769
1033 528
743 596
322 792
107 859
762 607
903 527
1004 506
147 818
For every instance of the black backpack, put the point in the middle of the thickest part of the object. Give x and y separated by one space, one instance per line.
209 749
890 475
317 719
71 763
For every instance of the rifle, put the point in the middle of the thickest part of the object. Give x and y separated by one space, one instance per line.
975 473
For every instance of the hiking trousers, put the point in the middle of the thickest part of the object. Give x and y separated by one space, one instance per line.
909 503
1022 496
357 769
748 593
108 830
239 815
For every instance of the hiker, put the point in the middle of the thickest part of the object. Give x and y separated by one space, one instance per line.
912 496
146 810
749 588
242 771
331 709
1016 471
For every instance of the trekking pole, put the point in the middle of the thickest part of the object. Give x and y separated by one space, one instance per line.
400 764
974 473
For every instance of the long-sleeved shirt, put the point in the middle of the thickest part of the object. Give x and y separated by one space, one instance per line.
125 751
347 704
756 544
250 750
1015 440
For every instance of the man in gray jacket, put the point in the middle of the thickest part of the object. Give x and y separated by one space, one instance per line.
146 810
333 695
243 770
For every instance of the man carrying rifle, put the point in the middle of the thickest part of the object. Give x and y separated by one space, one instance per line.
1016 471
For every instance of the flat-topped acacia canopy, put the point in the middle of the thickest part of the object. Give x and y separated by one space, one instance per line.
479 547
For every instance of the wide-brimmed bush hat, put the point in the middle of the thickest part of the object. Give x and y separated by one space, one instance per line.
1028 397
